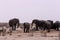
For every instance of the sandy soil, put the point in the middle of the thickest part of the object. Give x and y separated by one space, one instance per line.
37 35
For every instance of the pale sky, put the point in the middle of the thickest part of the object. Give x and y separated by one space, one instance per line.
27 10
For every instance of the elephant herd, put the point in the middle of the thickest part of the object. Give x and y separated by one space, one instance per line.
39 25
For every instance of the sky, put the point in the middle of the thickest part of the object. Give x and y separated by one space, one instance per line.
27 10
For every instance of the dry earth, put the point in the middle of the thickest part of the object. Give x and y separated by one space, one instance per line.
37 35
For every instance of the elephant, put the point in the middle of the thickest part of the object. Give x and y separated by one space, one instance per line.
13 23
26 27
42 24
39 24
48 25
56 25
51 23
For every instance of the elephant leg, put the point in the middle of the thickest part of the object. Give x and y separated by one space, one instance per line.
28 29
36 28
48 29
54 28
44 28
24 29
57 28
40 27
14 28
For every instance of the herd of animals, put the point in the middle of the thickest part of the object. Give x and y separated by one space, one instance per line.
39 25
35 25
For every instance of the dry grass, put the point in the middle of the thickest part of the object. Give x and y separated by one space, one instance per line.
37 35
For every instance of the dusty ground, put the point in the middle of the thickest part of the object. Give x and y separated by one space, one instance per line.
37 35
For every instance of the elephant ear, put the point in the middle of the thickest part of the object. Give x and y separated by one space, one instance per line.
33 26
48 22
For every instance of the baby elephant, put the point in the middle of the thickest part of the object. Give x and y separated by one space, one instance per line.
26 27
